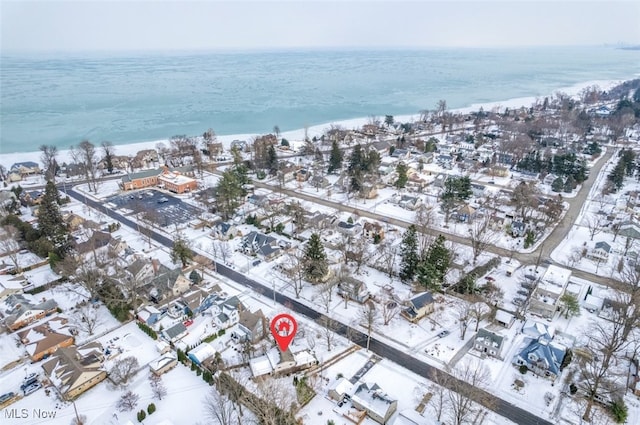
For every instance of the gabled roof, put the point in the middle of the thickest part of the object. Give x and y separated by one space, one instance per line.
21 305
489 337
175 330
603 246
249 320
544 354
67 365
421 300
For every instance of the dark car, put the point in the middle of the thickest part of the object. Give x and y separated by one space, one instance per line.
6 397
444 333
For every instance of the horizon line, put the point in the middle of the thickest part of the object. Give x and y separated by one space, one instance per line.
267 49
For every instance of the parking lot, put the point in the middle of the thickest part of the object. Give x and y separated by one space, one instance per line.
166 210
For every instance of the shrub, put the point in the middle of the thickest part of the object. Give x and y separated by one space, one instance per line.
573 389
151 408
523 369
141 415
221 332
619 411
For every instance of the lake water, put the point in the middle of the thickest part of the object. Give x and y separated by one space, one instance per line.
128 98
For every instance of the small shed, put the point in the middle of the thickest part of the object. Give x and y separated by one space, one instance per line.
201 353
504 319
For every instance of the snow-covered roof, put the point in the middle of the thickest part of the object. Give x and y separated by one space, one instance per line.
202 352
260 366
555 279
163 360
504 317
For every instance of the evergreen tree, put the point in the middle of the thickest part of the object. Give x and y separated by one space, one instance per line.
356 161
335 158
229 190
440 257
315 261
409 254
272 160
401 170
181 251
557 185
50 222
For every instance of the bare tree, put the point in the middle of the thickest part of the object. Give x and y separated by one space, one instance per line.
324 291
10 244
439 402
461 407
387 257
127 402
328 327
606 343
85 155
524 200
49 164
293 268
222 250
595 224
463 313
389 307
481 236
87 318
424 221
273 402
79 420
157 386
369 317
123 370
478 311
220 409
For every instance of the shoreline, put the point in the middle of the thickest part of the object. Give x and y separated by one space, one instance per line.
7 159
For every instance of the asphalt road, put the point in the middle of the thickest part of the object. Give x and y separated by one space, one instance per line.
482 397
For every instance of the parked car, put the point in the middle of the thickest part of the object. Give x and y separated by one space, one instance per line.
444 333
188 322
30 377
163 199
518 301
523 292
32 388
6 397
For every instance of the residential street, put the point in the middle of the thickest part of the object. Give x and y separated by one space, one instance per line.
489 401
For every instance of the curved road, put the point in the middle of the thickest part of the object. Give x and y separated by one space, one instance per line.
482 397
560 231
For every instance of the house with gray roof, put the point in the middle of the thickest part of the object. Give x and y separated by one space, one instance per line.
600 252
22 311
418 307
175 332
224 231
262 246
252 326
489 343
378 404
353 289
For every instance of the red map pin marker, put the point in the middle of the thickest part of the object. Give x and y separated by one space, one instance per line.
283 329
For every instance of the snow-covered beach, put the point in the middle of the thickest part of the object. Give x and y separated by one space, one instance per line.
7 159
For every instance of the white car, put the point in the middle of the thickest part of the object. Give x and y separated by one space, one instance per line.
163 200
32 388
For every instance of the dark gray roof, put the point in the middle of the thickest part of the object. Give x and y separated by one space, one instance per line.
175 330
421 300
